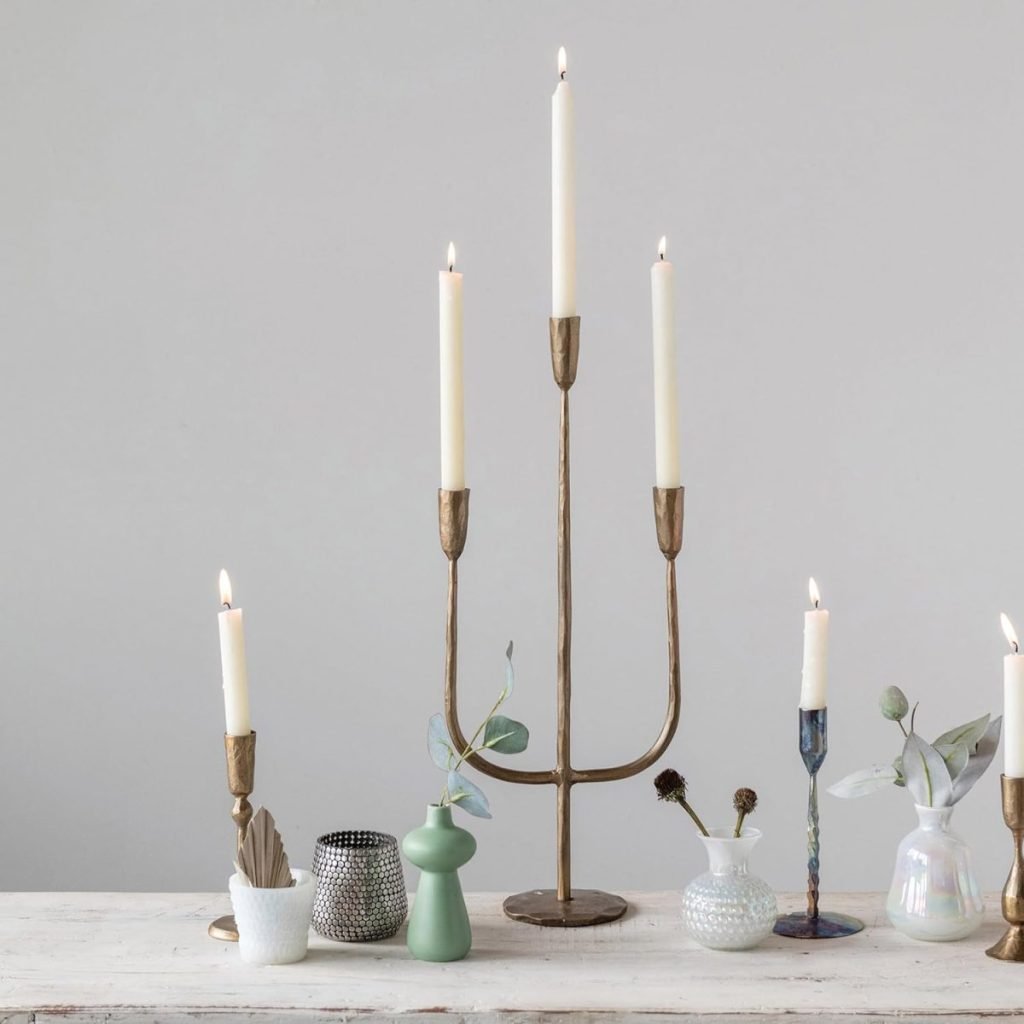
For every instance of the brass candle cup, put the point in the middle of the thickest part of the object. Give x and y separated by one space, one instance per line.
1011 945
240 753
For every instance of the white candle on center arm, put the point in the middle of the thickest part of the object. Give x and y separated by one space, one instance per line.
1013 706
814 679
453 429
666 397
232 660
563 197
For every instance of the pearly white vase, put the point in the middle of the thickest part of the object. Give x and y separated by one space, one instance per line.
727 907
273 924
934 894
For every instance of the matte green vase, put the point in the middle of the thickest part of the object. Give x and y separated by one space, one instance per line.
439 923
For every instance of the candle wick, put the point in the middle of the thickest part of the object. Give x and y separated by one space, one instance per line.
561 75
816 603
227 604
1016 647
451 267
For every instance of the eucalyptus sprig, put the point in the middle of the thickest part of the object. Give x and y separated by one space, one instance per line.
937 774
496 732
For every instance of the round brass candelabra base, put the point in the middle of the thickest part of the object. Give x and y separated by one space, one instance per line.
824 926
543 907
1010 946
224 928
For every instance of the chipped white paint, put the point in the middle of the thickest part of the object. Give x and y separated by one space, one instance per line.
90 957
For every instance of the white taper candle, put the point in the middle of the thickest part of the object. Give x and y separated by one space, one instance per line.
1013 706
453 430
563 197
814 678
232 660
666 396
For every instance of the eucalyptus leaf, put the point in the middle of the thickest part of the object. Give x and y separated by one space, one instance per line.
979 760
866 781
968 734
439 743
467 796
510 675
926 773
956 756
505 735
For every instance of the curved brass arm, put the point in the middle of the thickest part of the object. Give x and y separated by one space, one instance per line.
668 730
453 517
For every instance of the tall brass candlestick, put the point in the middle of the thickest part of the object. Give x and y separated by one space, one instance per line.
240 752
1011 945
563 906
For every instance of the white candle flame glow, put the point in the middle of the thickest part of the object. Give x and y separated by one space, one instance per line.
812 589
225 588
451 255
1009 632
562 63
662 247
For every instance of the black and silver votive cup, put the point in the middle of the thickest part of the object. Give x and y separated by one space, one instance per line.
360 889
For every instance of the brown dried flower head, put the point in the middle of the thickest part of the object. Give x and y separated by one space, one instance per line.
670 785
744 801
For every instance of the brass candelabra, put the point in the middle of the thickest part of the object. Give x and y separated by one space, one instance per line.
563 906
1011 945
240 752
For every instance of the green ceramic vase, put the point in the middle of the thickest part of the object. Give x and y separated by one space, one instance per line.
439 923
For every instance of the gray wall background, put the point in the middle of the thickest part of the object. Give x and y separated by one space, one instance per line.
220 227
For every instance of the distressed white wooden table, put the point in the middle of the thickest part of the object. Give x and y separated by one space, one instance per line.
91 957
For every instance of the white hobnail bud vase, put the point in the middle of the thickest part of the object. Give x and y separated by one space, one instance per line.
273 924
934 894
727 907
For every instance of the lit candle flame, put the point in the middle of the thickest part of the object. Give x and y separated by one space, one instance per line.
451 256
662 247
1009 632
563 65
812 589
225 588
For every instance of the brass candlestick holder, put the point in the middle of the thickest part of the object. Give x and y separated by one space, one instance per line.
1011 945
814 924
241 759
563 906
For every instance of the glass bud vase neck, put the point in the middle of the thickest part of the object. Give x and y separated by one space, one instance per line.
439 923
727 907
934 895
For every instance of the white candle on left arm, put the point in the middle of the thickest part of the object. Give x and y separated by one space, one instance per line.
563 197
453 428
814 679
232 660
1013 706
666 397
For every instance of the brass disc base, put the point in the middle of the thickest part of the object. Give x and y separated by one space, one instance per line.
224 928
824 926
1010 946
543 907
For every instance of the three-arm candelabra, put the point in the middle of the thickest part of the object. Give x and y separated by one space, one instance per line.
563 906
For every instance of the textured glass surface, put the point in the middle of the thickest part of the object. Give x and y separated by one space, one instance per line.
934 894
727 907
273 924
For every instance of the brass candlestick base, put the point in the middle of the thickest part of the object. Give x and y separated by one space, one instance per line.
1011 945
241 760
563 907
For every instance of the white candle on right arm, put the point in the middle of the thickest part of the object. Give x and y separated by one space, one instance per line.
666 397
563 198
814 679
232 660
1013 706
453 429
